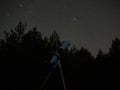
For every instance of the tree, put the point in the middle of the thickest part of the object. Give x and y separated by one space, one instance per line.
54 41
27 55
114 51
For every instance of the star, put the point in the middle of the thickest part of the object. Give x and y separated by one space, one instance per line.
20 5
74 19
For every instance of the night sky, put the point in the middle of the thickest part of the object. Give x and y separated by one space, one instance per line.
88 23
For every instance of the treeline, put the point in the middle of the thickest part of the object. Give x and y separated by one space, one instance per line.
25 62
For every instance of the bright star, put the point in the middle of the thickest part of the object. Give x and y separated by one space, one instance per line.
74 19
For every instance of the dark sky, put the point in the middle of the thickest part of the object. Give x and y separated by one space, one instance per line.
88 23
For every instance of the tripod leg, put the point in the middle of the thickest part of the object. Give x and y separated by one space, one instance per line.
60 67
45 80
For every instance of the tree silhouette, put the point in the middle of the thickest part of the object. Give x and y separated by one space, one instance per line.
107 64
26 55
114 53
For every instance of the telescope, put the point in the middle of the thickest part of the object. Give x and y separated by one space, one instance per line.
58 53
55 61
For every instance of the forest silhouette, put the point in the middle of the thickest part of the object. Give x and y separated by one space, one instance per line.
25 57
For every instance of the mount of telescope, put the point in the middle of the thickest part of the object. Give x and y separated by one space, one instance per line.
55 61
